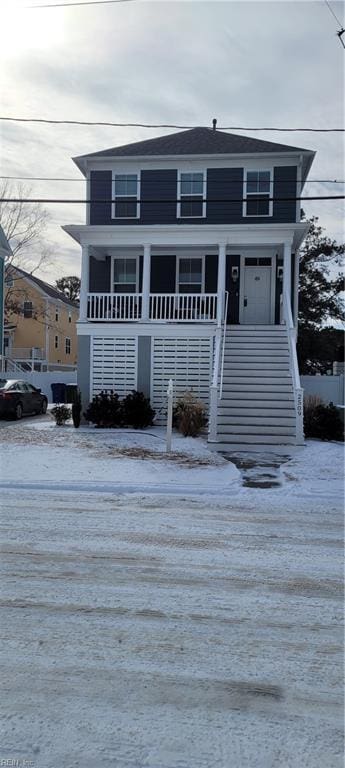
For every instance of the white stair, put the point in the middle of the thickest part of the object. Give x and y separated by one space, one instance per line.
257 407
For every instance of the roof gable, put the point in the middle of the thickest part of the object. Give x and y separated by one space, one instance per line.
48 289
196 141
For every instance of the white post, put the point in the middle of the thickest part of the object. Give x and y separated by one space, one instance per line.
85 277
295 294
221 281
299 416
146 282
170 393
287 271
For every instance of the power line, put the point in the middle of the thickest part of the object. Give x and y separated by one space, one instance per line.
341 31
165 125
171 200
100 181
89 2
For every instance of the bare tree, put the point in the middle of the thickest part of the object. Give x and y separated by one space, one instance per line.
24 225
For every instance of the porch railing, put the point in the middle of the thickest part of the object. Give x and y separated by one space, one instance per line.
298 391
163 307
27 353
114 306
183 307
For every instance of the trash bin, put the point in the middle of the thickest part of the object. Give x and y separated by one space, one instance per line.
59 392
71 393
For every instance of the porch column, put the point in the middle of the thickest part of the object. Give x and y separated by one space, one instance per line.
145 315
85 278
287 271
295 294
221 281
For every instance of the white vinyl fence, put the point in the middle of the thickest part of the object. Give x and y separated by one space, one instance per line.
329 388
44 380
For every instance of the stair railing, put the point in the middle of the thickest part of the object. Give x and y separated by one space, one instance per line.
218 370
297 389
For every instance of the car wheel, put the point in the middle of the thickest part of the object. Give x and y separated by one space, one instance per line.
18 412
44 407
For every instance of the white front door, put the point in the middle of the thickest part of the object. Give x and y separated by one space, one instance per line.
256 300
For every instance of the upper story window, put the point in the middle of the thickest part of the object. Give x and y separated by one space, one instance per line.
258 186
69 316
56 342
125 275
27 309
190 198
190 275
126 205
56 314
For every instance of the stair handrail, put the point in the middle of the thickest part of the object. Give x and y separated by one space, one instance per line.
296 382
225 315
218 365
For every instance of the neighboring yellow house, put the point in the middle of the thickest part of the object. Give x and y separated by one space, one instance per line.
40 324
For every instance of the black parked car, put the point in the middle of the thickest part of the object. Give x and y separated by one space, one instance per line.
20 397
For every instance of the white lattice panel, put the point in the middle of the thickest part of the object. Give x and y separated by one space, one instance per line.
188 361
114 364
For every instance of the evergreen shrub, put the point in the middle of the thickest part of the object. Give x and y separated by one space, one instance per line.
61 414
105 410
323 421
137 411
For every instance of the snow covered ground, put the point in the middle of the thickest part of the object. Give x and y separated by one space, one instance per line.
157 613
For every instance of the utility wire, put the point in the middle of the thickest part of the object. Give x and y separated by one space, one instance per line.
341 31
90 2
164 125
171 200
147 183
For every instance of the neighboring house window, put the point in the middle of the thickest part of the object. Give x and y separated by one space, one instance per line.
191 193
56 314
70 317
9 282
27 309
125 277
56 342
190 275
257 194
126 204
68 346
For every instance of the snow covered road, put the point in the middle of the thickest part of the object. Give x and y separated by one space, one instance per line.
152 631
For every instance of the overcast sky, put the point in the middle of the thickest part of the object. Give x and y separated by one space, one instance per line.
246 63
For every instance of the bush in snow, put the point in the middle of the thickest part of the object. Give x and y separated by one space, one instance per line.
189 415
137 411
323 422
76 410
61 414
105 410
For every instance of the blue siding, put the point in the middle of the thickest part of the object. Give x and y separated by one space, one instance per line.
224 185
158 185
100 189
224 194
284 185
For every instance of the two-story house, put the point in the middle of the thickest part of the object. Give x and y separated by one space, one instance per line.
190 272
40 324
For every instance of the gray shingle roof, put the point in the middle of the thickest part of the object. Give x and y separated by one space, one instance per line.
47 288
196 141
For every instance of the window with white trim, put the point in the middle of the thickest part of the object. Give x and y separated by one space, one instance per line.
56 314
27 309
191 193
126 205
56 342
257 193
68 346
69 316
190 275
125 274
